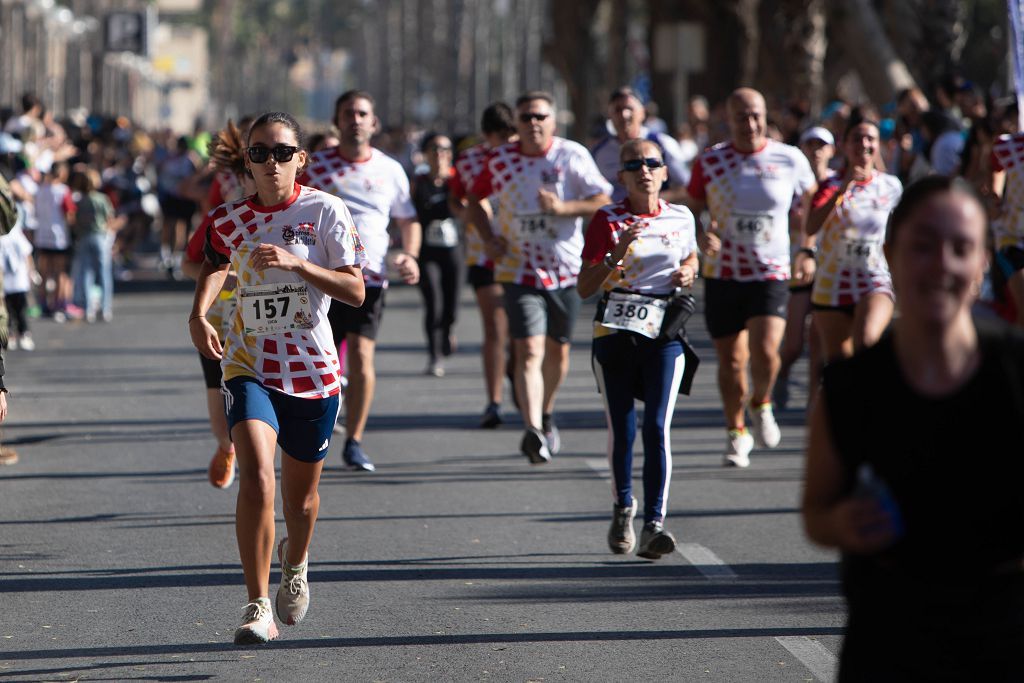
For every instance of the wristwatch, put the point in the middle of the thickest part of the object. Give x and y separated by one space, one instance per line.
610 262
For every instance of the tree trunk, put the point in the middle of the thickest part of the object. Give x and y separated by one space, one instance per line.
571 53
882 72
928 34
805 45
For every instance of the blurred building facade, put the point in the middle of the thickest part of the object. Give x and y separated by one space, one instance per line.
104 56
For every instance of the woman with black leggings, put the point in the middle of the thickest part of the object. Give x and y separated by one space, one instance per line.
441 254
641 251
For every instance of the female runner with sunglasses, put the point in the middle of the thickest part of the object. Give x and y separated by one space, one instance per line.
639 250
293 249
852 296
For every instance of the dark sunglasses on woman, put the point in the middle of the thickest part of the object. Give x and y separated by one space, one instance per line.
637 164
281 153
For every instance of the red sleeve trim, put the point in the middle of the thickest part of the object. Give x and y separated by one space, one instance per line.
483 185
67 204
598 239
197 243
826 193
698 181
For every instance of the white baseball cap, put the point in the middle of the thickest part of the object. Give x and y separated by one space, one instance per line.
817 133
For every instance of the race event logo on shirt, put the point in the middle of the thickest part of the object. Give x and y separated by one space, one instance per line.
551 177
766 171
303 233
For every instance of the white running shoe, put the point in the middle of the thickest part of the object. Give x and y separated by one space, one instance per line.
27 344
258 625
765 428
740 445
293 595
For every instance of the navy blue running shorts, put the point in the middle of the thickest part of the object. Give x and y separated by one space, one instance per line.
303 425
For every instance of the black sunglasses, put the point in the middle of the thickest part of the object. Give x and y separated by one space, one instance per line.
530 117
282 153
439 148
637 164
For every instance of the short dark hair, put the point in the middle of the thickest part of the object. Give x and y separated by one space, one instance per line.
281 117
921 191
354 94
29 101
429 138
497 118
855 121
531 95
623 92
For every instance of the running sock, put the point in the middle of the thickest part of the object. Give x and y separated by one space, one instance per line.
761 406
738 432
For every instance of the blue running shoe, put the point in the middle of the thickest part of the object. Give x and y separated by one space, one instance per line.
354 457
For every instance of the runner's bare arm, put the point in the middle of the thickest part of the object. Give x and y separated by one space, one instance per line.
550 203
344 284
592 276
480 218
804 266
851 524
204 336
412 237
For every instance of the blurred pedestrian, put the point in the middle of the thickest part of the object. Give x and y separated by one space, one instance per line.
888 483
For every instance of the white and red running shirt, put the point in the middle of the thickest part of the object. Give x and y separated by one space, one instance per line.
375 190
851 263
668 238
749 197
1008 155
317 227
543 250
467 167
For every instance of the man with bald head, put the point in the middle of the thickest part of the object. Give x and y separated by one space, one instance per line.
747 185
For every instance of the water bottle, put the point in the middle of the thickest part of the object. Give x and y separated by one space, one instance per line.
870 485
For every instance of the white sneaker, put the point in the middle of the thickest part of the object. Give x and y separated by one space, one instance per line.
258 625
738 451
26 343
293 595
765 428
12 343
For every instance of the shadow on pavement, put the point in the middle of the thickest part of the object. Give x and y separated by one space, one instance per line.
427 640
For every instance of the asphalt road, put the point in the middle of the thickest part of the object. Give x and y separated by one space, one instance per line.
457 560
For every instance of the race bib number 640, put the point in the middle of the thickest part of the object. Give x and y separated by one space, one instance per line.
751 228
273 308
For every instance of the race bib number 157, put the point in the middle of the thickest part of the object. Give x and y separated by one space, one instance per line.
273 308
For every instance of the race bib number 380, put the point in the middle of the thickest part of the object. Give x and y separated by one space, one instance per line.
273 308
635 313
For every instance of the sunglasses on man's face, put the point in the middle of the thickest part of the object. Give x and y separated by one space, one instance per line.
281 153
530 117
637 164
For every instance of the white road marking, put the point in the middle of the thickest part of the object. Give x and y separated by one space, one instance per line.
600 466
706 562
812 654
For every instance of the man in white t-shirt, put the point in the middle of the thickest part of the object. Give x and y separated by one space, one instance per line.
375 189
544 186
747 185
627 115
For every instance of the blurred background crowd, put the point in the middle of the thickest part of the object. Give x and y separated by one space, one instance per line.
107 108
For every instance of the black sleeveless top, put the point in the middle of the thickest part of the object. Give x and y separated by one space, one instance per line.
949 595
